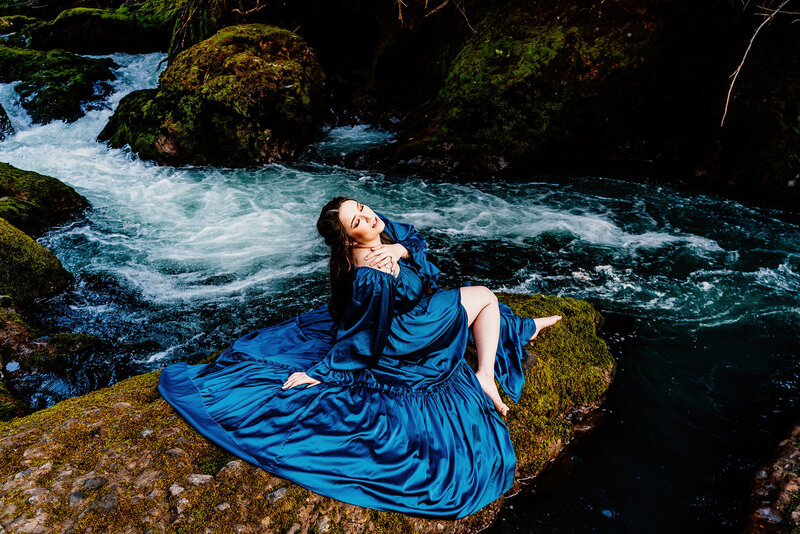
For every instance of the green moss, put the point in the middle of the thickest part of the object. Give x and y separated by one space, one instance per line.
13 23
521 82
390 523
133 28
55 84
573 367
249 94
9 406
27 269
36 201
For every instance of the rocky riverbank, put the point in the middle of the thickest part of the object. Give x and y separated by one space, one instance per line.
120 459
30 203
775 501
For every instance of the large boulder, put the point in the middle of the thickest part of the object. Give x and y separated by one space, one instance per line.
558 82
55 85
27 269
250 94
143 463
34 202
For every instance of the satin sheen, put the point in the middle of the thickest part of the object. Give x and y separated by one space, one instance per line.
399 422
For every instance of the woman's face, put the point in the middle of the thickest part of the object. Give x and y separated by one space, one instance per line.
360 222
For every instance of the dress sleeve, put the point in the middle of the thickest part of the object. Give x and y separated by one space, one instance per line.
407 235
363 330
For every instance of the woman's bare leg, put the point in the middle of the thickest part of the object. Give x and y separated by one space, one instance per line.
483 314
544 322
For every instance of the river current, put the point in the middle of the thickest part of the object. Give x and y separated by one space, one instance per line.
701 296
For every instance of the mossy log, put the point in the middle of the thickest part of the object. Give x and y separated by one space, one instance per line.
120 459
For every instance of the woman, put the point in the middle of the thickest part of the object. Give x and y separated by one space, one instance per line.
392 417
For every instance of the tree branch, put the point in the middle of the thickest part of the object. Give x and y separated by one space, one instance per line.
768 17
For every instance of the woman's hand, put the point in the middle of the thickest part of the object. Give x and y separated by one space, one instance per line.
385 256
297 379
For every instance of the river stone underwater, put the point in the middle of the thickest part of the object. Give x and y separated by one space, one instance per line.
701 296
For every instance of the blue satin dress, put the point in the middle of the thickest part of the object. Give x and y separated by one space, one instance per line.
399 422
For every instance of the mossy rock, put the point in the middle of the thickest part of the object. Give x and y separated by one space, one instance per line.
132 28
14 23
48 9
27 269
34 202
250 94
55 85
532 80
5 124
145 453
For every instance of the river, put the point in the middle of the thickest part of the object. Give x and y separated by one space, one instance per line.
701 296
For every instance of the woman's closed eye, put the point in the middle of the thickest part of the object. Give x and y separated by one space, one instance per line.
360 208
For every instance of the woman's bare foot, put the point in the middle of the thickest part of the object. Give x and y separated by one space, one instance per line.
489 387
544 322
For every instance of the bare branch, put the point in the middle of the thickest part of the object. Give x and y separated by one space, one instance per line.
258 7
749 46
437 8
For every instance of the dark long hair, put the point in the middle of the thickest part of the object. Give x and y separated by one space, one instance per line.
343 261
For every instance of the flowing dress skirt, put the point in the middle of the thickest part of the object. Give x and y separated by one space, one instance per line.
414 433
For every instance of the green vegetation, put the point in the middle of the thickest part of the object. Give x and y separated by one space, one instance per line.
27 269
133 28
249 94
34 202
524 80
55 84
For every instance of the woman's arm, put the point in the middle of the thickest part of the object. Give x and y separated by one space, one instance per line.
362 332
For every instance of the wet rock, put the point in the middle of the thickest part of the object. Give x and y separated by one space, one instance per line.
94 483
134 28
276 495
197 479
27 269
76 498
249 94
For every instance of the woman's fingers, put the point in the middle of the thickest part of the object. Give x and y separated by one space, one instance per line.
373 251
297 379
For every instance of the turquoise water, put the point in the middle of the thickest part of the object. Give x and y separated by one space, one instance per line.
701 296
